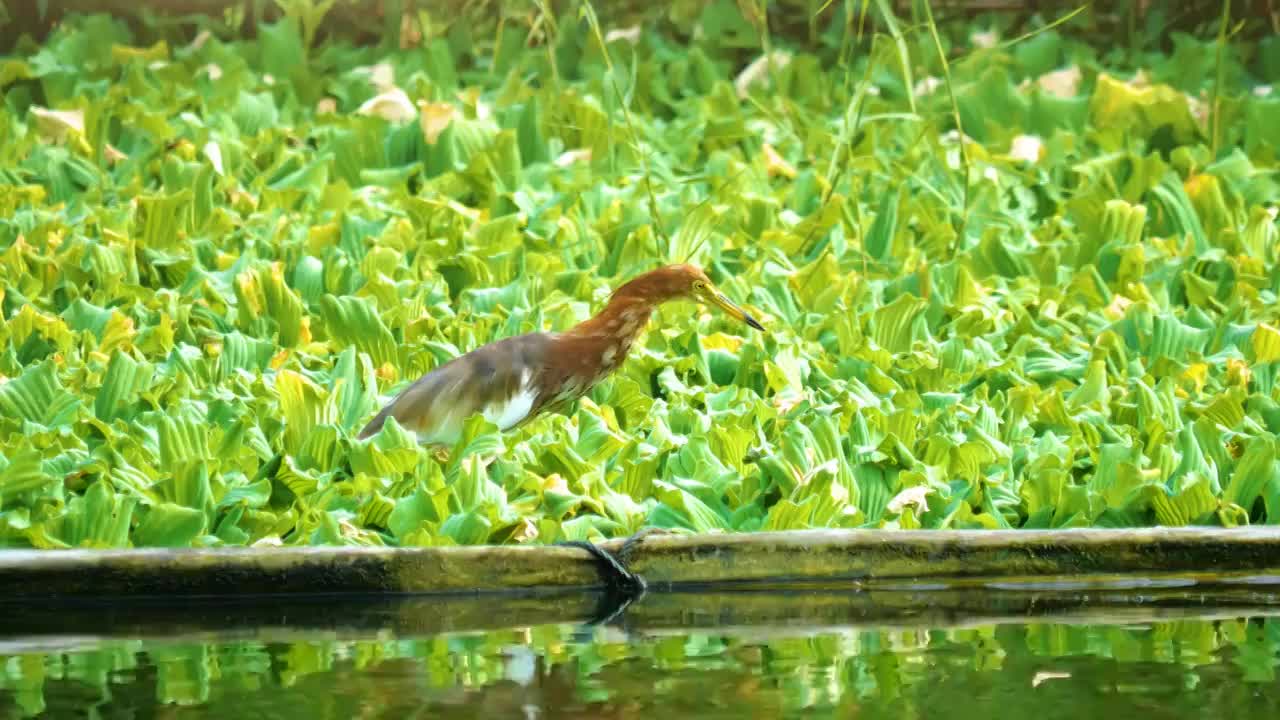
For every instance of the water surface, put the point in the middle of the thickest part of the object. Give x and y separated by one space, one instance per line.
724 656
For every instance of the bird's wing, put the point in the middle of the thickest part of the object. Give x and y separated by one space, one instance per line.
499 380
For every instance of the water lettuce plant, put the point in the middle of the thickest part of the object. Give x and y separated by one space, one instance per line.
1035 286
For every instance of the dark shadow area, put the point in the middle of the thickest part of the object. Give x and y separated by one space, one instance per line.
801 606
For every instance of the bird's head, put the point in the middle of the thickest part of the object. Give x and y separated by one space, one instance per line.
687 282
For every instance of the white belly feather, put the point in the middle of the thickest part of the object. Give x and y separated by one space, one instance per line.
505 413
516 408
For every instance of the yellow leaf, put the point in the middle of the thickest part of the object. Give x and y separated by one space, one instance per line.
1227 410
1145 108
303 406
1266 343
56 125
434 119
392 106
775 164
113 155
571 157
248 282
1195 376
1238 373
916 497
1064 83
721 341
759 69
118 333
1027 148
122 54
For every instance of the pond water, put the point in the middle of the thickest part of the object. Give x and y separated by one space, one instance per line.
689 657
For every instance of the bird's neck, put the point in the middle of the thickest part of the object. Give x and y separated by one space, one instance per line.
596 347
622 319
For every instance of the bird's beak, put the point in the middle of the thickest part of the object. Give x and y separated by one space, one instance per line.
717 298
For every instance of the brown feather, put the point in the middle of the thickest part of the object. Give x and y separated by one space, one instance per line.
465 385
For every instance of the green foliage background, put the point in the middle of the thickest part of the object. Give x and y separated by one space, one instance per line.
212 277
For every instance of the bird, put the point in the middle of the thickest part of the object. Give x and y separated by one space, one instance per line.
514 380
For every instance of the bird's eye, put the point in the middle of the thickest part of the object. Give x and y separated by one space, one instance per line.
699 285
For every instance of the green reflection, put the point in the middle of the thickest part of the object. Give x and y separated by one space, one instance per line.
1176 669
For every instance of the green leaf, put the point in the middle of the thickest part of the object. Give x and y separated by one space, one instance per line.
478 443
123 380
1142 109
37 397
392 452
264 292
1179 215
23 473
1256 470
411 513
352 321
896 326
682 509
469 528
255 112
182 440
250 495
884 228
98 519
303 406
169 525
1186 504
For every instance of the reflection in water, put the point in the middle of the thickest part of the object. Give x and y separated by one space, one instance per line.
1189 668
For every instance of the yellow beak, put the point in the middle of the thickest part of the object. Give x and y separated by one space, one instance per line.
713 296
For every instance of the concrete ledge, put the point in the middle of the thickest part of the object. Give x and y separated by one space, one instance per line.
864 559
968 557
85 574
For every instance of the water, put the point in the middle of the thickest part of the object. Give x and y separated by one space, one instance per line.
1165 654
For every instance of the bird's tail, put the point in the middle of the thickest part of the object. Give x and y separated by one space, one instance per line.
375 424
